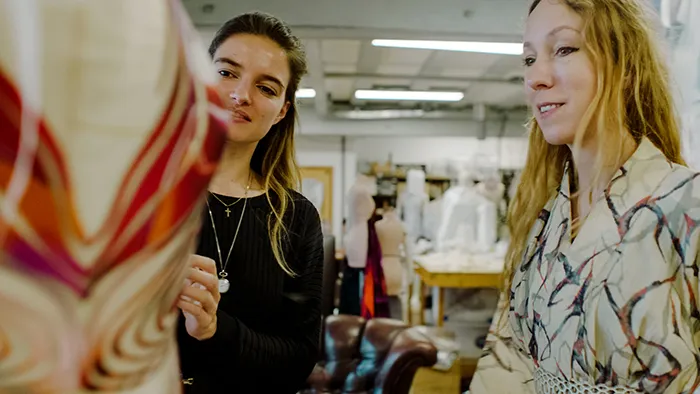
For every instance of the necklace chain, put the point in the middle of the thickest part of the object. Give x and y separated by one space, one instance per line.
223 274
224 204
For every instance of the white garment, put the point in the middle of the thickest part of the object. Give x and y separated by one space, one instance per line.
685 68
411 204
432 215
469 221
360 206
412 212
492 189
616 304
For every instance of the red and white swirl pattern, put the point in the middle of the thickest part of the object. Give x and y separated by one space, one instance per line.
94 311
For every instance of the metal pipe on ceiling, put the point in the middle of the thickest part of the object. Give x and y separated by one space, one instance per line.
424 78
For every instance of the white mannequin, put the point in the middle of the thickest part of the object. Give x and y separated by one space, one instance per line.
432 215
685 67
469 220
412 202
360 206
492 188
391 234
411 205
514 185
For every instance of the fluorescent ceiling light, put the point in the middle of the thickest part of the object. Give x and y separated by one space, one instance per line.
381 114
306 93
501 48
411 95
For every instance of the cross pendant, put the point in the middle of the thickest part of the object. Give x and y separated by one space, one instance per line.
228 212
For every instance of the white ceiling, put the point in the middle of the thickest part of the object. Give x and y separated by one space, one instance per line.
337 35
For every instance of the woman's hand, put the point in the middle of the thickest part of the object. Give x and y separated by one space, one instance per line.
200 297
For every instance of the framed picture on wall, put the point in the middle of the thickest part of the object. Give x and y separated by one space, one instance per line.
317 186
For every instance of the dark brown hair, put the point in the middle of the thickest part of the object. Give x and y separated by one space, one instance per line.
273 159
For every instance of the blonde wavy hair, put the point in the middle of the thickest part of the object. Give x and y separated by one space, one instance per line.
633 96
273 160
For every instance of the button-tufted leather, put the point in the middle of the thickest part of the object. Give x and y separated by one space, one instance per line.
378 356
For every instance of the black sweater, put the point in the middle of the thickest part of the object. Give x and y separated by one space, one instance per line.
269 323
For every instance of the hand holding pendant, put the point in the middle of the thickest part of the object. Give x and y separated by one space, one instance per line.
199 299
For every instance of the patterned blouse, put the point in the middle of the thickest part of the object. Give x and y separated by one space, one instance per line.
618 306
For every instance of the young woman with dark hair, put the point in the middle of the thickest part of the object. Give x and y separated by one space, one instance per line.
257 329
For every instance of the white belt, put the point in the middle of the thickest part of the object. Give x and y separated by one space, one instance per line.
548 383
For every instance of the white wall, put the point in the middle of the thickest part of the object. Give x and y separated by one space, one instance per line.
505 152
508 152
311 124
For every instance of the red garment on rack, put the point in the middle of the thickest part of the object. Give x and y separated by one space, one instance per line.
375 301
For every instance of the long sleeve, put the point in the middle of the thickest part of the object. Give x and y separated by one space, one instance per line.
616 307
502 367
297 350
268 324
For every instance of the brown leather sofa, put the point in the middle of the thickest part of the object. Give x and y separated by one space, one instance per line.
375 356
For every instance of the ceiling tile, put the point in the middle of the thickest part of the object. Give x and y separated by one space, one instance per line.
340 51
404 56
494 93
340 68
462 72
489 17
392 82
447 85
340 89
398 69
466 59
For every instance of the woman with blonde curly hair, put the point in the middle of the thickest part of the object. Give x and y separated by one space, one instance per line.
601 281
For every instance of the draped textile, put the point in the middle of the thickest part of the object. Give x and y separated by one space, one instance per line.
375 301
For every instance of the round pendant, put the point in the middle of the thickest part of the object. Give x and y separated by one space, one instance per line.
224 285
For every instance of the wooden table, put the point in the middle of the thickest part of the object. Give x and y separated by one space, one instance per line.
440 271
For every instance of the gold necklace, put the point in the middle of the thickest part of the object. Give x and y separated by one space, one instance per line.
224 284
228 206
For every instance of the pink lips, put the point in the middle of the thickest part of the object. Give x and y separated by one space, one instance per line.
240 116
549 113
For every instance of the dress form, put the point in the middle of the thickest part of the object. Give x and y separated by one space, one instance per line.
96 230
469 219
361 205
492 188
412 203
432 215
469 224
392 235
682 16
513 187
411 206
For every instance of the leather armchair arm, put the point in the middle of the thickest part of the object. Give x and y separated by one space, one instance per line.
410 350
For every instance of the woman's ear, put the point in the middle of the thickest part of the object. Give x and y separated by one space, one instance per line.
283 112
